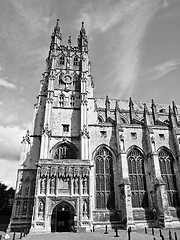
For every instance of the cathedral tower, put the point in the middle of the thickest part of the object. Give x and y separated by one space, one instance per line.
95 161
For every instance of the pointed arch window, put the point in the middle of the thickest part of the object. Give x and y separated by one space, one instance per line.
61 100
104 179
166 162
72 101
64 151
137 178
60 78
61 60
75 63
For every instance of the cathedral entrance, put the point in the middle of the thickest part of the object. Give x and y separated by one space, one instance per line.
62 219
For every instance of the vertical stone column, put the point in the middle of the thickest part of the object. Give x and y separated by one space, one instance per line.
160 194
46 134
80 200
25 149
84 102
125 191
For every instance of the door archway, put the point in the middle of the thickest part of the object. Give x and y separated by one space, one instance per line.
62 219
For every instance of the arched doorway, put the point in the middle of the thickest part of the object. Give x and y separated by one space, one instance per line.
62 219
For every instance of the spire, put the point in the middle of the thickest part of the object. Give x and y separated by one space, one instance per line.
131 110
154 111
57 30
146 116
107 110
82 39
172 118
82 31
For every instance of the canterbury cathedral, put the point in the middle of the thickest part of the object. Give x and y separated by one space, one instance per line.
91 162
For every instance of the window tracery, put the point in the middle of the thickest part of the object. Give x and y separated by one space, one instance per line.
61 100
72 101
75 63
137 178
169 177
61 60
64 151
104 179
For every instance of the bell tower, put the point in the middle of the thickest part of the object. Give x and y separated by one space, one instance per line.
56 154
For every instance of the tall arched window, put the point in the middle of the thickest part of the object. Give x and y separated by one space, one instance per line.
72 101
167 172
104 179
61 100
75 61
137 178
64 151
61 60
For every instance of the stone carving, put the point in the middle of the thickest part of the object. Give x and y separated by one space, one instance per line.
85 172
18 208
44 171
84 132
85 208
53 171
43 186
84 183
24 209
52 185
46 131
26 138
41 210
76 185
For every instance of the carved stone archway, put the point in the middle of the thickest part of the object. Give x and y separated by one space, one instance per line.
62 218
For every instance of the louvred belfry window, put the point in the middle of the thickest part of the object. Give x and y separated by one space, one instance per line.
75 61
61 60
61 100
137 179
167 172
104 179
64 151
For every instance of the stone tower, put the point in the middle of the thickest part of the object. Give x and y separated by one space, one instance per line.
95 161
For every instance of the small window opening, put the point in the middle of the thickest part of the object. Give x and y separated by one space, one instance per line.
75 61
133 135
161 136
103 134
65 128
61 60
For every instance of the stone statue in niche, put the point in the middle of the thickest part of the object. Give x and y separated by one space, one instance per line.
20 189
24 210
52 185
85 209
85 185
26 192
41 210
76 186
43 186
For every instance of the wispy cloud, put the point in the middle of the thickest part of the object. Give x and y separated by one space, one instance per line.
162 69
133 18
6 84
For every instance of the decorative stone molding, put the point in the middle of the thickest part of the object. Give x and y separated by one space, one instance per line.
84 133
26 138
46 131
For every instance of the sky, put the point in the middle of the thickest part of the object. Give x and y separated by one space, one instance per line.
134 48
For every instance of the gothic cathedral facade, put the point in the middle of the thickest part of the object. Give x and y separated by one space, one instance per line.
92 161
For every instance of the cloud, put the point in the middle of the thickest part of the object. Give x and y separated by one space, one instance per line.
131 18
10 139
162 69
6 84
8 172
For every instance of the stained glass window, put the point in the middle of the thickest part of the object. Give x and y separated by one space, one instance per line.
137 178
104 179
169 177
